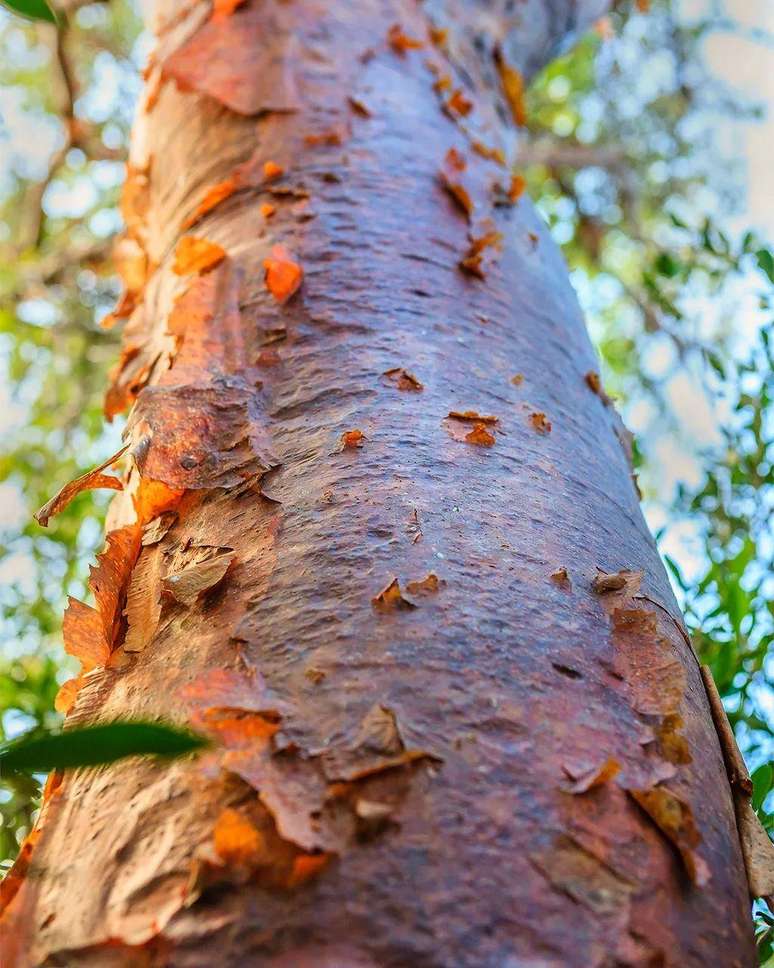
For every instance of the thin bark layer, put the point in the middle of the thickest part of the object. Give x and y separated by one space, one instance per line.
388 549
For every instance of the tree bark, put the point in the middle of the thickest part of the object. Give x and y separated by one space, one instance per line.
379 539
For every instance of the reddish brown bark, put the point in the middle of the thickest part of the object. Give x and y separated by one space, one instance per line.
391 560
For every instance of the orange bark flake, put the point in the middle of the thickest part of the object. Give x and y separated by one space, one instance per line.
53 784
401 42
326 138
517 186
211 199
187 585
267 209
15 878
473 260
605 582
403 380
141 354
153 498
271 170
674 818
592 777
560 577
452 179
283 274
221 9
517 379
377 748
594 383
425 586
480 436
472 416
236 840
143 600
672 745
379 732
235 729
93 480
157 529
132 265
513 88
154 82
351 439
459 104
196 255
232 690
206 328
604 29
360 107
540 422
67 694
454 160
390 599
84 636
135 199
90 633
245 59
306 867
109 577
109 320
268 357
491 154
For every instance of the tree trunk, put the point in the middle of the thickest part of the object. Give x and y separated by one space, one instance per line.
379 539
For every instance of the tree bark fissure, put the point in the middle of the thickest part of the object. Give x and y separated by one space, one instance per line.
410 596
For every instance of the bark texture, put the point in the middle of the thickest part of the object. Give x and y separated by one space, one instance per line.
379 538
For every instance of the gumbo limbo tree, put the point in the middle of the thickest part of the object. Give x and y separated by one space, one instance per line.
378 539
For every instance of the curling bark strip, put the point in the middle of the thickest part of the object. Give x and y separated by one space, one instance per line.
389 553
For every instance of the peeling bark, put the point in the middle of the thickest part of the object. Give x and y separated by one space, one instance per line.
456 718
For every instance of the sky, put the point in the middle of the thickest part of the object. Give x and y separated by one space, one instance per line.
746 63
742 57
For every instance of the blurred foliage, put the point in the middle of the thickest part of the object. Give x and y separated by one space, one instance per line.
67 98
764 935
730 609
623 164
622 158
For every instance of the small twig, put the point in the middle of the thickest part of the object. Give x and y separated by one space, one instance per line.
51 267
31 233
552 152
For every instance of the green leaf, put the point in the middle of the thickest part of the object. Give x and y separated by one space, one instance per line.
766 262
32 9
762 781
675 570
667 265
716 363
95 745
678 223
